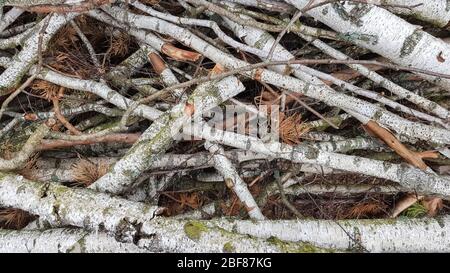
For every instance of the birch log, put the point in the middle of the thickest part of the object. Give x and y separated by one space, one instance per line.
383 235
379 235
174 235
129 221
346 189
21 158
264 41
228 235
60 205
61 240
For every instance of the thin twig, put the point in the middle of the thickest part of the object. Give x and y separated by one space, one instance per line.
280 181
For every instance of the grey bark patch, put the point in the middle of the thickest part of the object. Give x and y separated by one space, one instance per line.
357 36
311 153
263 39
410 43
387 166
354 14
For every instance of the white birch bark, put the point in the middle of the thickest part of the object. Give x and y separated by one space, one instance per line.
12 31
209 209
436 12
428 105
266 4
10 17
121 74
228 235
100 89
61 240
383 235
128 221
93 210
172 235
8 126
322 136
437 186
233 180
371 27
60 205
165 162
347 189
264 41
169 79
347 145
256 170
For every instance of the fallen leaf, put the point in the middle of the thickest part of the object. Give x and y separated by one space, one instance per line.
405 203
433 205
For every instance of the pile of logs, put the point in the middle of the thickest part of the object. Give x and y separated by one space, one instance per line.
224 126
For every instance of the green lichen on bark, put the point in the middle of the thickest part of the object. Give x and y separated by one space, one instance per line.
356 36
194 230
228 247
16 138
297 247
79 246
410 43
311 152
336 120
263 39
354 15
2 175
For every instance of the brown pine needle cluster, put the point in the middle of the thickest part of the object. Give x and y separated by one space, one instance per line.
291 128
14 218
45 90
120 44
86 172
66 37
7 149
28 171
181 202
366 210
